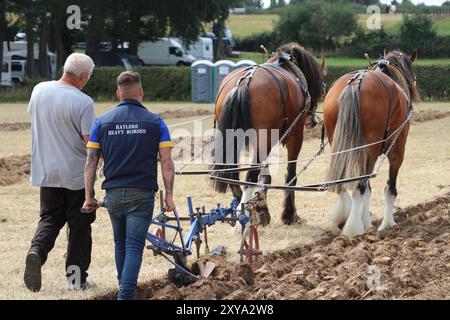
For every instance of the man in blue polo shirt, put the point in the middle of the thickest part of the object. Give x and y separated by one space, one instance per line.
129 138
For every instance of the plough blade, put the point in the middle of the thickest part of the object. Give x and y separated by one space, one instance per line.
205 269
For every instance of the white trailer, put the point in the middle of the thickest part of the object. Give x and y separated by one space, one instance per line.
6 74
202 49
18 56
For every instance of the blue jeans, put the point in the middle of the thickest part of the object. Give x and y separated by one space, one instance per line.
131 212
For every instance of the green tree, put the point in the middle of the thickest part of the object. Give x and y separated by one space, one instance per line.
417 32
2 33
316 24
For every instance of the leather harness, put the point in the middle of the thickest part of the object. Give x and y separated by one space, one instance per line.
298 77
382 65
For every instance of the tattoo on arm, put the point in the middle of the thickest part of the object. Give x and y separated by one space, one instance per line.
93 156
168 173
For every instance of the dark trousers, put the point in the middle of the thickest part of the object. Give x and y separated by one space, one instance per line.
58 207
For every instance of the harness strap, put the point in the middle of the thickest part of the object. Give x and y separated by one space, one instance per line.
231 78
388 125
283 91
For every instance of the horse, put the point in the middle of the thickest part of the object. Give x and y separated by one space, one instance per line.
363 108
282 95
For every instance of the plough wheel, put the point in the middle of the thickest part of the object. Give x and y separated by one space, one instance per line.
158 233
249 250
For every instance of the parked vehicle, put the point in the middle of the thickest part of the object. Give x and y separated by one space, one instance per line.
6 74
203 49
228 42
16 53
165 51
112 59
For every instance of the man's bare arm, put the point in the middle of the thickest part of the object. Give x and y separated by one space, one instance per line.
168 169
90 169
168 174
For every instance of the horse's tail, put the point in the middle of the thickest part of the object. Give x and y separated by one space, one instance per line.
235 115
348 134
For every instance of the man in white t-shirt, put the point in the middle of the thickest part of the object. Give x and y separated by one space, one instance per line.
62 117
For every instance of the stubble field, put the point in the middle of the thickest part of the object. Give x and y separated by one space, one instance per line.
423 177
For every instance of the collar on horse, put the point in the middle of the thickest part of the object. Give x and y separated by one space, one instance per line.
382 66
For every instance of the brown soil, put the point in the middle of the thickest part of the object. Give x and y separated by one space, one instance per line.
14 169
429 115
419 117
15 126
182 113
413 259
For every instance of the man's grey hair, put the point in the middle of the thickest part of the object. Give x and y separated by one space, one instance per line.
79 63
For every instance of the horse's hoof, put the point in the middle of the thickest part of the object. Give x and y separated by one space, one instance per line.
311 122
263 217
294 219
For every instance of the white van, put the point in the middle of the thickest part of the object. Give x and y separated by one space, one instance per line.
164 52
18 56
202 49
6 74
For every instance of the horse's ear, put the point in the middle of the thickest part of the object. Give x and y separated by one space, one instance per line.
413 56
292 52
385 53
324 68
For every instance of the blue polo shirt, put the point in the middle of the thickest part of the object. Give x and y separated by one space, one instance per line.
129 138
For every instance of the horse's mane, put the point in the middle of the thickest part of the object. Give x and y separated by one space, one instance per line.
310 67
404 63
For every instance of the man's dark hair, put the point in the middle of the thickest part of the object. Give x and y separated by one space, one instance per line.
128 78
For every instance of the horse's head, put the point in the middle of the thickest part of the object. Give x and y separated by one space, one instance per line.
314 71
398 62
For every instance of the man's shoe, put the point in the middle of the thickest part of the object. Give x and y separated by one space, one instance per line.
32 276
86 285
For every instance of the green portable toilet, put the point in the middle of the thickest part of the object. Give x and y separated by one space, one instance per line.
223 68
202 80
245 64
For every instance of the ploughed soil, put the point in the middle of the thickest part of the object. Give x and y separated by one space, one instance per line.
14 169
409 261
185 113
421 116
314 133
6 126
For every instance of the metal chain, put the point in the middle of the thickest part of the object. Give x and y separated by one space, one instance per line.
254 198
306 166
394 140
180 170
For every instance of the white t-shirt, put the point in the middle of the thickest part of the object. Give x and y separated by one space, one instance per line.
61 115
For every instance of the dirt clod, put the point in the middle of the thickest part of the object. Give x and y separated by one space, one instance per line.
16 126
185 113
411 261
14 169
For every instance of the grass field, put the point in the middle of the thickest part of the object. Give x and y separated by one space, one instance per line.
443 26
391 23
245 25
260 57
422 176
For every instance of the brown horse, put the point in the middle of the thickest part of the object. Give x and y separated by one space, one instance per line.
362 108
262 99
